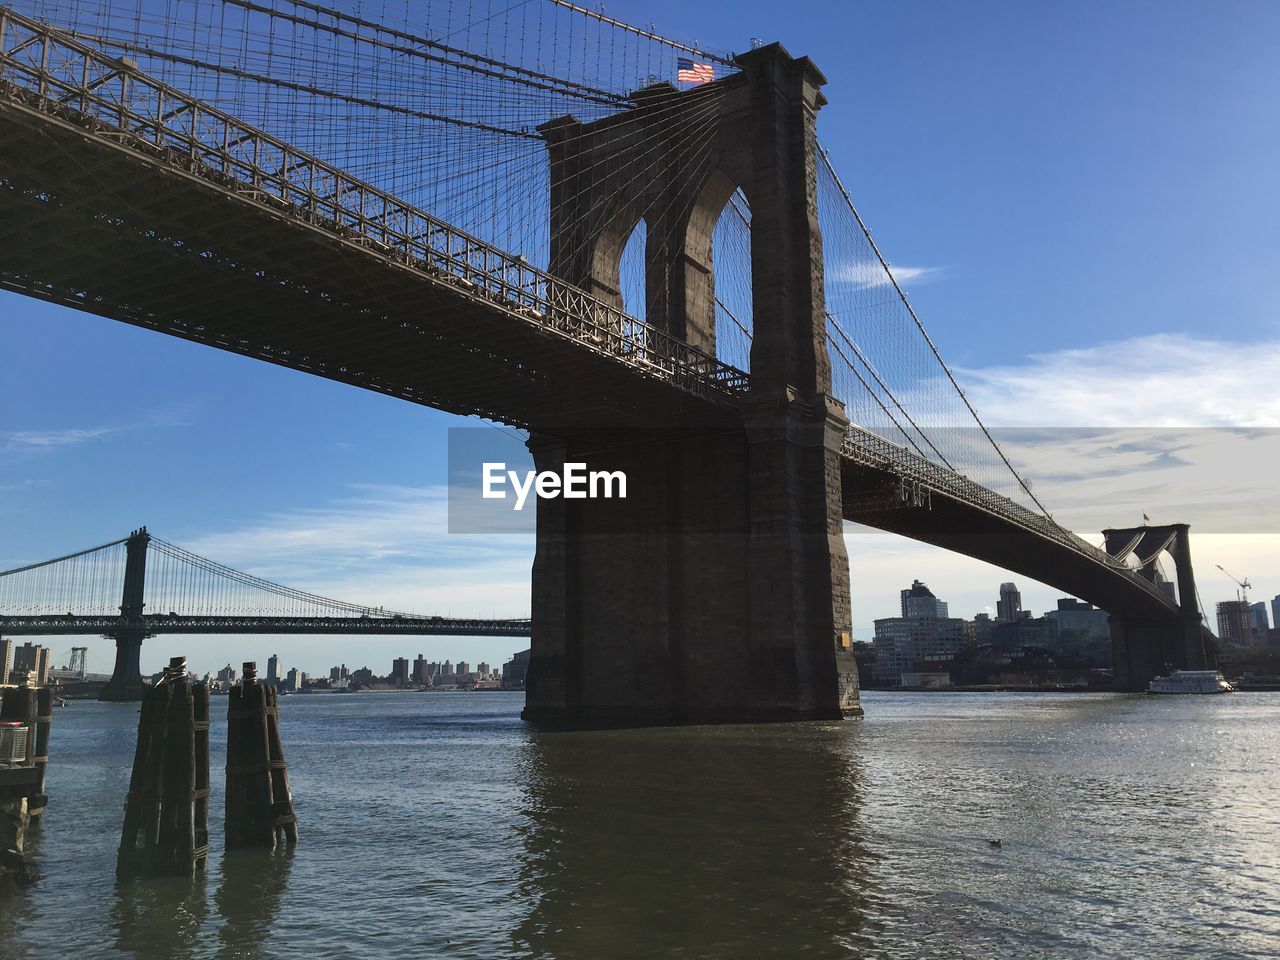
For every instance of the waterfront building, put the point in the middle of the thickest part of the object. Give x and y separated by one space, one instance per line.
1022 632
1010 603
447 669
514 670
1234 624
273 668
227 674
6 658
1275 612
920 635
1080 631
1258 619
463 667
978 630
399 672
291 679
363 676
933 681
483 669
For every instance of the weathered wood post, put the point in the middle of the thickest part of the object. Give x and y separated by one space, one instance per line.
40 751
166 813
259 807
25 713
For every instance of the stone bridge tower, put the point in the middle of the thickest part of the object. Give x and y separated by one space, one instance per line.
719 589
1140 651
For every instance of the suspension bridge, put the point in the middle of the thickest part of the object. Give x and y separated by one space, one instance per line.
544 217
140 586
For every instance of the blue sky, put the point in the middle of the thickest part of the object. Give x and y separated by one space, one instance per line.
1077 193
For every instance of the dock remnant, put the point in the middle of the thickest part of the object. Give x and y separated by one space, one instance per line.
259 807
166 818
26 713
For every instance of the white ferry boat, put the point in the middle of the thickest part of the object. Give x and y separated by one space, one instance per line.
1191 681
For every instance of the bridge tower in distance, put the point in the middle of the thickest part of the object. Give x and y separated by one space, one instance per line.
126 677
719 589
1140 651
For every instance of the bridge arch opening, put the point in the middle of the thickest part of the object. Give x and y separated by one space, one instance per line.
632 272
617 258
717 271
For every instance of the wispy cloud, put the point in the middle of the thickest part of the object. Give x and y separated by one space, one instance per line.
869 274
385 546
1178 427
1164 380
37 440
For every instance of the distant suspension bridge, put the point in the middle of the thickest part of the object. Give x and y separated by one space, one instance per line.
140 586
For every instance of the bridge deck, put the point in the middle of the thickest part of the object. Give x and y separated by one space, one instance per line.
66 625
123 197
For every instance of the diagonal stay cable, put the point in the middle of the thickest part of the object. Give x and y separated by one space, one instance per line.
826 159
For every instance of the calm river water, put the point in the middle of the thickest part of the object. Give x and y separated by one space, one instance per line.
439 825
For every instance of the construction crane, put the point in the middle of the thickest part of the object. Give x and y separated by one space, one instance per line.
1244 585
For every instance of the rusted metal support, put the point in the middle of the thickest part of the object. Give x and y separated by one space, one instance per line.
259 806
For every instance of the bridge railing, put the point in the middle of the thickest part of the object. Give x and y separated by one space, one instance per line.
868 448
64 77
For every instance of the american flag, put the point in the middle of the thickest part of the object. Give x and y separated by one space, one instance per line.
689 71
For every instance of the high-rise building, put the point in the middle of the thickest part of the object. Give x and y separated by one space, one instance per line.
291 679
464 667
6 658
1010 603
1234 624
447 669
1258 619
904 643
30 662
483 669
924 632
420 670
273 668
918 601
400 672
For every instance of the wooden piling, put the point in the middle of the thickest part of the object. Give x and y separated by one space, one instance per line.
40 757
259 806
166 813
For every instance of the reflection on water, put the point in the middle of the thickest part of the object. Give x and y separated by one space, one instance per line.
441 826
248 899
684 842
158 916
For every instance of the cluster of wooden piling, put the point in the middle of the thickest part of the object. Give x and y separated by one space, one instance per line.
22 791
259 811
166 819
166 823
